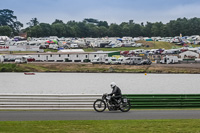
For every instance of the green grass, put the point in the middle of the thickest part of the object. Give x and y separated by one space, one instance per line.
152 45
194 45
165 45
35 68
101 126
50 50
14 52
10 68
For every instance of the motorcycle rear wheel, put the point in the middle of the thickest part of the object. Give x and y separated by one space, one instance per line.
99 105
125 107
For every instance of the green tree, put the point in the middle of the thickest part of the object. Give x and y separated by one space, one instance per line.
46 29
58 29
35 31
194 26
58 21
103 23
115 30
17 27
33 22
147 29
8 19
135 30
83 29
156 29
5 31
164 32
94 28
125 29
93 31
103 31
72 29
69 31
76 32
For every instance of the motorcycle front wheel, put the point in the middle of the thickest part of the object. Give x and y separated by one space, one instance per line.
125 107
99 105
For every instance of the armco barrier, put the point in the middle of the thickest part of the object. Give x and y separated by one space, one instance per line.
25 102
150 101
60 101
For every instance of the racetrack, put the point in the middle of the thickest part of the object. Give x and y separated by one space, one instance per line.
92 115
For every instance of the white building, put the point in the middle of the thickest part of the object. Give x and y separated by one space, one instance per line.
62 56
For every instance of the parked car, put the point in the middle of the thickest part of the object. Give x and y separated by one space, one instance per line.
29 58
159 51
145 62
9 59
20 60
153 51
111 60
124 53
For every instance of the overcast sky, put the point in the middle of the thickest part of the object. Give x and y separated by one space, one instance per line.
112 11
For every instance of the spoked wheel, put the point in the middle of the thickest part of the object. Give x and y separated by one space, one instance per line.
125 107
99 105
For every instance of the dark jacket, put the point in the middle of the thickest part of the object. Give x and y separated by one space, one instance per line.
116 91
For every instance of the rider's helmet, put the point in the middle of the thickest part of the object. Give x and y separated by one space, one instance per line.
112 84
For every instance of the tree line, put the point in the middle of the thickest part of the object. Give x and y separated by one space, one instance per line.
91 27
8 23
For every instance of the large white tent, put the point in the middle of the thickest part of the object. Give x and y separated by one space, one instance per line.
3 38
188 54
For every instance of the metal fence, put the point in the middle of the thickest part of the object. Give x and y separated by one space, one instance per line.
37 102
150 101
60 101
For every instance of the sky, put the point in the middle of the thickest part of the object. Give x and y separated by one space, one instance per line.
112 11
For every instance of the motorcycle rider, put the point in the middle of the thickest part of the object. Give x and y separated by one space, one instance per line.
116 93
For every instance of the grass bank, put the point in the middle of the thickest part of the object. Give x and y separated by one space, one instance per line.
102 126
99 68
11 68
150 44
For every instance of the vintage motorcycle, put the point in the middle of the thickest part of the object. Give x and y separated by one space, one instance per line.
122 104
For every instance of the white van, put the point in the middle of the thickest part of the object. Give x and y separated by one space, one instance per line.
169 60
122 60
111 60
133 60
97 60
73 45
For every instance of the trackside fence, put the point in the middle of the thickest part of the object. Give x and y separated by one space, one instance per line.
40 102
61 101
151 101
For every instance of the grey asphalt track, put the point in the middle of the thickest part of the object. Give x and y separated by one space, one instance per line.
92 115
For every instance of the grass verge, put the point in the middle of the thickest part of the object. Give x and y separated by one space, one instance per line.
104 126
72 67
11 68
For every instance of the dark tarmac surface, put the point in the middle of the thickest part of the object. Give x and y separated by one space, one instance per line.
92 115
